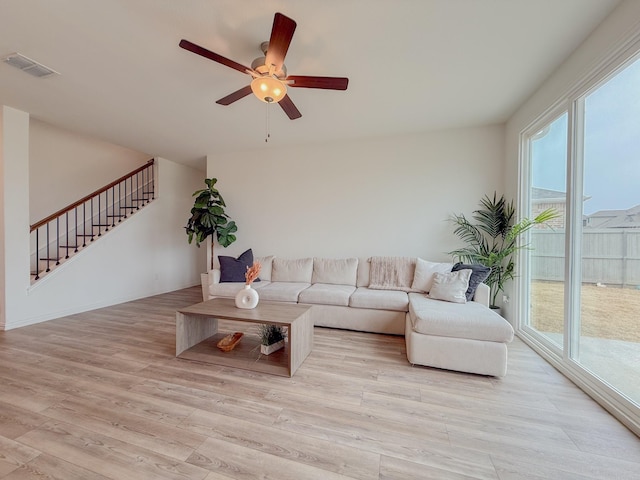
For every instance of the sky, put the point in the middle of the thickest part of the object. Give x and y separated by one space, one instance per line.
611 146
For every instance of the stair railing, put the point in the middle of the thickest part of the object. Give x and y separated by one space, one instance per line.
78 224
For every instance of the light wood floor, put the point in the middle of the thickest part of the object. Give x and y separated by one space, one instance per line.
100 395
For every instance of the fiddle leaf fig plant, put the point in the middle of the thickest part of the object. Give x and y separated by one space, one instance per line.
208 218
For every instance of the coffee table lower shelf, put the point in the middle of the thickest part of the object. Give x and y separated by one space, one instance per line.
246 355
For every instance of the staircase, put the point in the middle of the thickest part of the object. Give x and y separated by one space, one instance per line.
68 231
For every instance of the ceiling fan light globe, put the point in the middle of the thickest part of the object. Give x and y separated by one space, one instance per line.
268 89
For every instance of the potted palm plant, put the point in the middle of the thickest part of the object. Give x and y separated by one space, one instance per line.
208 218
492 239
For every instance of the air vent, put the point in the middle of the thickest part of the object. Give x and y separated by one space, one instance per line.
29 66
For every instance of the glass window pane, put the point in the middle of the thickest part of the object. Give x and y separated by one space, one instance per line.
548 185
610 291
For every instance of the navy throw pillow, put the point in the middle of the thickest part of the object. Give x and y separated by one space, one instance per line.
234 269
479 274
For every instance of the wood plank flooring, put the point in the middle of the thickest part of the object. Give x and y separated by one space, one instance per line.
100 395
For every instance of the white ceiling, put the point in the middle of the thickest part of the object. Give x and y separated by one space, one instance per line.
413 65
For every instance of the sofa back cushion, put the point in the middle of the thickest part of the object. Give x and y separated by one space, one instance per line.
335 271
364 266
292 270
265 269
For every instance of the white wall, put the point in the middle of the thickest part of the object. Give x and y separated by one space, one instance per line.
381 196
609 36
65 166
14 224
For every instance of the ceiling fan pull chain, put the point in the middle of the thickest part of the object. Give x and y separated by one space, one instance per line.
267 126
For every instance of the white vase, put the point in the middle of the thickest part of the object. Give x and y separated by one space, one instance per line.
247 297
269 349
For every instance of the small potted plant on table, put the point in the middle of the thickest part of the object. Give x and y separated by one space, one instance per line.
272 338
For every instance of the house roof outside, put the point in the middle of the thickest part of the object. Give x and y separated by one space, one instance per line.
629 218
544 195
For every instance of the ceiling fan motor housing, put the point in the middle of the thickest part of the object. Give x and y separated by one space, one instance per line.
260 66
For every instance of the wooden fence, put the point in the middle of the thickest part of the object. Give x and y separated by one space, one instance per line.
609 256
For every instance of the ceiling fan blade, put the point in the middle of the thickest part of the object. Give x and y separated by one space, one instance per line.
331 83
198 50
281 35
235 96
289 108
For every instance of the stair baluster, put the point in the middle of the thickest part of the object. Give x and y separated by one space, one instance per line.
100 215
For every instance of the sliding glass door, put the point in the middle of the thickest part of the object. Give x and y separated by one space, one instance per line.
581 279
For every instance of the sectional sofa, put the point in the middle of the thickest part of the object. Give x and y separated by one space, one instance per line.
388 295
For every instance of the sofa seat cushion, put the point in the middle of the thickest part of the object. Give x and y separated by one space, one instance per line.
282 291
470 320
327 294
229 289
365 297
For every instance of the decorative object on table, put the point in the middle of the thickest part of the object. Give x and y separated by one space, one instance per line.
208 218
492 240
229 342
271 337
248 297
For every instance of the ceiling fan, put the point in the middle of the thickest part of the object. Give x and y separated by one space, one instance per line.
270 80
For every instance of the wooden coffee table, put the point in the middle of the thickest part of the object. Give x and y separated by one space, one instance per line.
197 335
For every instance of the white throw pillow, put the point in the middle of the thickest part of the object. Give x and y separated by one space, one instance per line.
451 287
423 277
